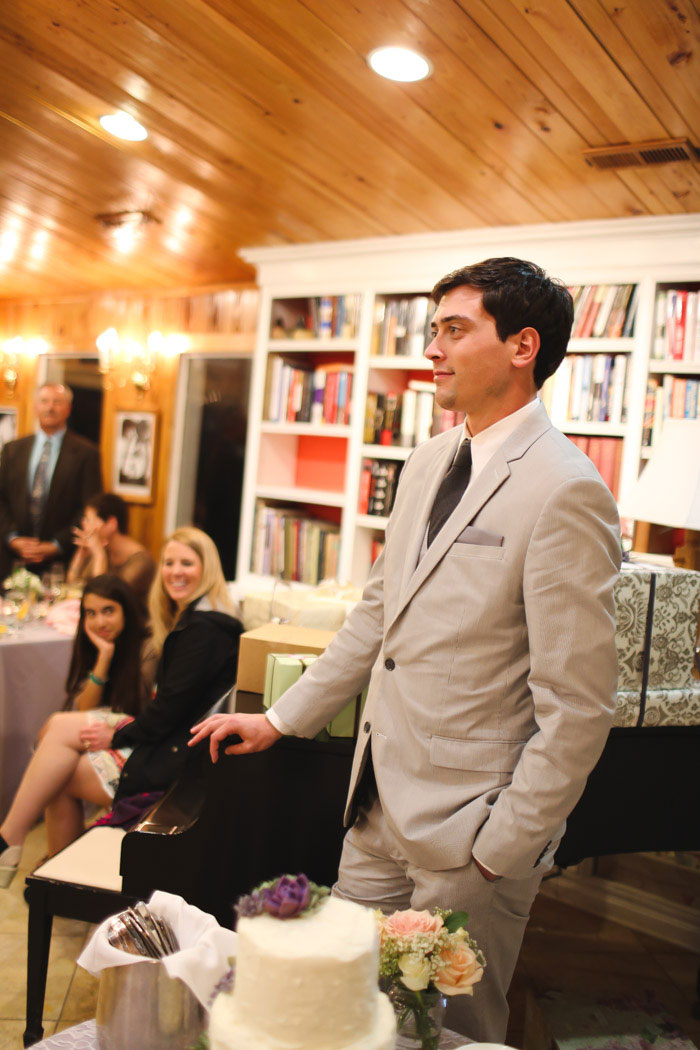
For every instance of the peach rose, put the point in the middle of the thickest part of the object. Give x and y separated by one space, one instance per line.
408 923
460 970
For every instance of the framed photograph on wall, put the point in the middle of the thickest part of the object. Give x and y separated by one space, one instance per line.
8 425
134 456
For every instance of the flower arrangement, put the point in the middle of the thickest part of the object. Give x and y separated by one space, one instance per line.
422 957
23 580
285 897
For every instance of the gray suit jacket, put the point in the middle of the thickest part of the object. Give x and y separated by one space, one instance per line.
492 657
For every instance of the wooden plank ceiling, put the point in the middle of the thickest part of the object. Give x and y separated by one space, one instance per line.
266 126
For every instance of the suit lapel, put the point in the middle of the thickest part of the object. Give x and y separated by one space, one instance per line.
492 477
21 466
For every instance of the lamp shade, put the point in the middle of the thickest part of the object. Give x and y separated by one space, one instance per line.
667 492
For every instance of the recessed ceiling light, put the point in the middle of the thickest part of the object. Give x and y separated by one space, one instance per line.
398 63
123 126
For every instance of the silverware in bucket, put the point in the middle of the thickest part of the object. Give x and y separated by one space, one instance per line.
141 1006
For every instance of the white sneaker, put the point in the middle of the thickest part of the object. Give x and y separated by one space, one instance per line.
9 862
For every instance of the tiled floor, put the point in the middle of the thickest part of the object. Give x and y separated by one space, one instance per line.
564 948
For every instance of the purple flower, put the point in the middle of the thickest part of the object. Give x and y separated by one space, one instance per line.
252 904
287 896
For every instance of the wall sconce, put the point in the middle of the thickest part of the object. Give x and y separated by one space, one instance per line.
128 360
11 352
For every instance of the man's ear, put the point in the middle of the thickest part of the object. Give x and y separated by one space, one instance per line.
528 343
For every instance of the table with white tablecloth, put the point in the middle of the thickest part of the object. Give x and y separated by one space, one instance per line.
33 668
84 1037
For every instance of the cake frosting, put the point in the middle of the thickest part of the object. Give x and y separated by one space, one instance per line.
306 983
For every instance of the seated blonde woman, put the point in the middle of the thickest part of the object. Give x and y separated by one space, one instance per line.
196 634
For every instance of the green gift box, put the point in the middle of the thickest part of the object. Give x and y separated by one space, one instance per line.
283 669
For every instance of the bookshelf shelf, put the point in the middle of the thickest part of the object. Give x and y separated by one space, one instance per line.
383 281
386 451
679 368
399 363
321 430
569 426
600 346
316 346
318 497
371 521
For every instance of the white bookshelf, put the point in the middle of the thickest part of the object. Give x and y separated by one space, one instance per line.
649 252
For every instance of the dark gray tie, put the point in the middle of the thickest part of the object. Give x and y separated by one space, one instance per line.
451 489
37 496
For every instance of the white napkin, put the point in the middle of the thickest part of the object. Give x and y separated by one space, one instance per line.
206 947
64 616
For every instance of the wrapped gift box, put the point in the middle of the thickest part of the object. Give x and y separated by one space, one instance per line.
663 707
274 638
324 607
676 601
283 670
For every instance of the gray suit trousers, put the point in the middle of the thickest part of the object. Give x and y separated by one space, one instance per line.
373 872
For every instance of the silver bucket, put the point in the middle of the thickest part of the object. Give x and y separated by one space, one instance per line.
141 1006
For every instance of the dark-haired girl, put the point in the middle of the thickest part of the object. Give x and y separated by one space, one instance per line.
109 682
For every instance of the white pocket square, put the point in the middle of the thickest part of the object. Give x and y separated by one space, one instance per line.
480 536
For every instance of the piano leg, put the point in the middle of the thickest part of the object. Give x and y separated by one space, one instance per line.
38 945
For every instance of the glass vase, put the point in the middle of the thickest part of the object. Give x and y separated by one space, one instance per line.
419 1016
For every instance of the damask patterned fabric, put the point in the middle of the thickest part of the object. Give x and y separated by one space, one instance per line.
664 707
673 695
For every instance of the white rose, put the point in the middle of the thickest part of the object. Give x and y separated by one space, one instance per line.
415 973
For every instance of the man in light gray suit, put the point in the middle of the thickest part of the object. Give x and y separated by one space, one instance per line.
487 627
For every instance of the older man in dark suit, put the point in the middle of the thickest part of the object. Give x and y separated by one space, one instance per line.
45 480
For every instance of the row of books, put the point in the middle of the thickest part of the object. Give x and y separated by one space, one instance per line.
674 397
606 454
604 310
588 387
294 547
378 481
294 394
321 317
677 325
401 326
406 419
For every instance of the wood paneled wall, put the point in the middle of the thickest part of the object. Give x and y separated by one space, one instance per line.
216 319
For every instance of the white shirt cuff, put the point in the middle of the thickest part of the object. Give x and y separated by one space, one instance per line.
490 870
277 722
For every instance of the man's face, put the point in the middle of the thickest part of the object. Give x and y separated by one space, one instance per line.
52 408
471 366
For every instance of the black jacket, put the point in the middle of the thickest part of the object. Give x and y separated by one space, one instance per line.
197 666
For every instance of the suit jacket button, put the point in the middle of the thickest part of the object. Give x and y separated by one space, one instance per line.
174 750
367 727
389 664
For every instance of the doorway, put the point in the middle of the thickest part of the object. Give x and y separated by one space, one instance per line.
82 375
213 408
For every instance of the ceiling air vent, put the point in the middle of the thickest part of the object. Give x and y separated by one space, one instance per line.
640 154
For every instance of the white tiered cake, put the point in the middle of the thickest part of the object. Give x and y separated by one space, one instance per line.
307 983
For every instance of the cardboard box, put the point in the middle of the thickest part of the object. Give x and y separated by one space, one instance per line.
274 638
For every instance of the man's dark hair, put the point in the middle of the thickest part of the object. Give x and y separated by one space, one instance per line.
109 505
519 294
